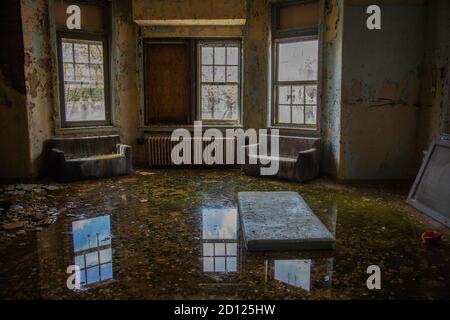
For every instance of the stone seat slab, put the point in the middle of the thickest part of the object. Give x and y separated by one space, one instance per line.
278 221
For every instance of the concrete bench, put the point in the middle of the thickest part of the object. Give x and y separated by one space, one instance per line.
85 158
299 158
281 221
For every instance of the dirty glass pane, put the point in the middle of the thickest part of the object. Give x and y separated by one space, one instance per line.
219 55
284 94
81 52
207 74
220 249
232 56
219 74
297 95
298 114
96 54
231 249
219 102
284 113
310 114
84 91
311 94
207 55
67 52
298 61
69 72
232 74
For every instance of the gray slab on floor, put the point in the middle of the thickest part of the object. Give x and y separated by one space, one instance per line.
281 221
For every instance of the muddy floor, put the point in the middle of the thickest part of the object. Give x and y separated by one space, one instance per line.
175 234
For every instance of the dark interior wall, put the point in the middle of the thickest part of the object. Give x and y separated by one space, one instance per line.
381 81
435 100
14 138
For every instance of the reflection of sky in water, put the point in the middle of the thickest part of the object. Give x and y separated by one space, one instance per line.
92 246
219 223
219 240
85 233
294 272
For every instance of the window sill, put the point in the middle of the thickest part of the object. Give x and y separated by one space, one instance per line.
308 132
87 130
171 128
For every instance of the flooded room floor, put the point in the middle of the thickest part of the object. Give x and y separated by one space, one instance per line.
174 234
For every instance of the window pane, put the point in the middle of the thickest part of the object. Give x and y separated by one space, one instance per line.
208 249
96 54
284 94
297 61
233 56
67 52
207 55
311 94
92 259
84 91
231 249
105 256
68 71
208 264
297 95
219 102
298 116
219 74
81 53
231 264
284 114
207 74
106 271
232 74
219 264
220 249
310 114
219 55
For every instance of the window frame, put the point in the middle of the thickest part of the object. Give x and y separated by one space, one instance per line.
218 42
286 36
276 84
83 36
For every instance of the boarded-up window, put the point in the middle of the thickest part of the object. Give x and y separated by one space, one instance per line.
167 82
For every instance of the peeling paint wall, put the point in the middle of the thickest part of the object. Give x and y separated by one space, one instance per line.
14 138
331 86
125 82
380 93
39 87
435 102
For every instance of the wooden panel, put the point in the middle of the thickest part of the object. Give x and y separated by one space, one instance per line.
298 16
167 83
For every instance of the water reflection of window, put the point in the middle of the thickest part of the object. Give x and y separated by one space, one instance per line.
92 247
294 272
219 240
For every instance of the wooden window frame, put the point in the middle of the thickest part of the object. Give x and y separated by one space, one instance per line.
82 36
219 42
286 36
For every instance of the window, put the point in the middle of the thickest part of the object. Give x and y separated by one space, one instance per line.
83 65
295 64
220 252
83 93
92 248
296 82
220 80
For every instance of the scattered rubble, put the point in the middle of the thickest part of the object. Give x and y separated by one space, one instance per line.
26 207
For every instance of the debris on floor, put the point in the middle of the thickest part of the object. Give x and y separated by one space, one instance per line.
26 207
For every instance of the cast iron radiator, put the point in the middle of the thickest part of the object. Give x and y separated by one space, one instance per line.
160 149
